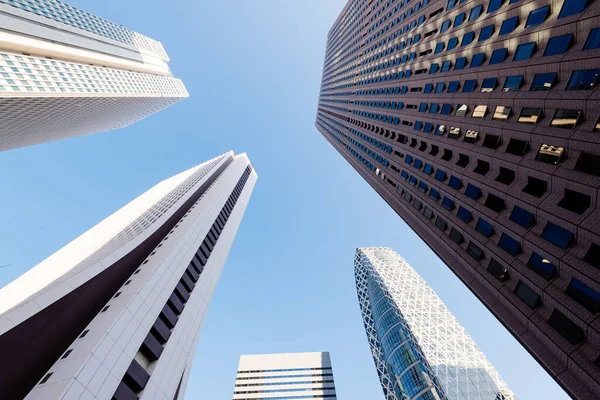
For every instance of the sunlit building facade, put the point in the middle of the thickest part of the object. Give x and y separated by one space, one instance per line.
420 350
117 313
478 123
65 72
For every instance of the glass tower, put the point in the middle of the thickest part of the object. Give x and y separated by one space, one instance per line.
420 350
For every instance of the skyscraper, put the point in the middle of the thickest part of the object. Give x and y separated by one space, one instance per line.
477 122
284 376
117 312
419 348
65 72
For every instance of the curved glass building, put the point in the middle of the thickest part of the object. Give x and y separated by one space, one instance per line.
420 350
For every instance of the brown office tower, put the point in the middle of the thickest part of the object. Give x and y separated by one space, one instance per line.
478 123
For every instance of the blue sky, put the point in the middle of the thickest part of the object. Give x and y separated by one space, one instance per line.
253 69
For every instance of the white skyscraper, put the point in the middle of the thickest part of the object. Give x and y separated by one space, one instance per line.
116 313
285 376
420 350
65 72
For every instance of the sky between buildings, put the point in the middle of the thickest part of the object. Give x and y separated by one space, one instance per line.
253 70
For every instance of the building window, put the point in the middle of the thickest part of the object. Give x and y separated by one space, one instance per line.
593 40
434 194
475 251
473 192
498 56
567 119
463 160
509 25
521 217
475 12
550 154
477 60
501 113
541 266
446 108
535 187
459 19
575 202
445 25
428 213
537 17
440 175
584 79
453 86
460 62
489 84
524 51
512 83
566 328
558 45
506 176
494 203
428 169
440 223
439 87
517 147
479 111
530 115
486 33
461 110
588 163
498 271
45 378
584 295
543 81
510 245
464 214
558 236
572 7
484 227
494 5
471 136
448 203
592 256
456 236
455 183
528 295
482 168
469 85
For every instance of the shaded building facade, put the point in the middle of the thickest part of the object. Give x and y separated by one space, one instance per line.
477 122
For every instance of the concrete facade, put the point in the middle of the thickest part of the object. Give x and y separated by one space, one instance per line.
477 122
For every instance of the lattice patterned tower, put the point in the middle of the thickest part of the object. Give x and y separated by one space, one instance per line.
419 348
116 313
478 122
65 72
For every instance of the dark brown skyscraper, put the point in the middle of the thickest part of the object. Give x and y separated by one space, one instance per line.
478 123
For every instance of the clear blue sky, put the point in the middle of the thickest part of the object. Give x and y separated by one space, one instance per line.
253 69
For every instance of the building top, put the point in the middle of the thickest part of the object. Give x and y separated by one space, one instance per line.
283 360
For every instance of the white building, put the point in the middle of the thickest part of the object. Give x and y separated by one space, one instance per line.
117 312
65 72
284 376
420 350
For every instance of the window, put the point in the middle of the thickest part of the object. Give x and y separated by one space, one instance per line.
428 88
475 12
479 111
448 203
464 214
423 107
66 354
584 295
440 175
584 79
593 40
494 203
558 45
575 202
439 87
521 217
445 25
509 25
440 223
474 251
498 271
105 308
510 245
506 176
543 81
422 187
566 118
473 191
517 147
558 235
428 213
461 111
541 266
460 63
446 108
530 115
484 227
537 17
477 60
455 183
434 68
459 19
564 326
446 66
45 378
456 236
488 84
471 136
434 194
494 5
588 163
528 295
512 83
468 39
434 150
486 33
454 133
469 85
84 333
491 141
463 160
535 187
452 43
428 169
439 48
524 51
453 86
498 56
592 256
572 7
482 168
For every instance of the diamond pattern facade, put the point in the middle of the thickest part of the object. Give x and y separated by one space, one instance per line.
420 350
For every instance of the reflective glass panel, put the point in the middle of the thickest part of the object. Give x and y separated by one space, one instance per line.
584 79
566 118
524 51
512 83
558 45
509 25
537 17
543 81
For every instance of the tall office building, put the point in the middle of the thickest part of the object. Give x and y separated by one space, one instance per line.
65 72
116 314
477 122
284 376
419 348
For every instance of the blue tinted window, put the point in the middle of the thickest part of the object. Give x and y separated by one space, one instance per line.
451 4
460 18
439 87
448 203
584 295
488 84
498 56
423 187
557 235
477 60
558 44
439 48
583 80
494 5
473 191
404 175
455 183
409 159
446 66
423 107
434 108
509 25
486 33
512 83
484 227
445 26
541 266
593 40
434 68
434 194
460 63
452 43
464 214
428 169
412 180
446 108
428 88
453 86
468 38
521 217
469 85
543 81
418 125
510 245
418 163
428 127
572 7
475 12
537 17
524 51
440 175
